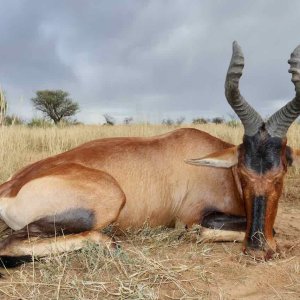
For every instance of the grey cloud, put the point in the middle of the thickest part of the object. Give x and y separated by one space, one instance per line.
148 58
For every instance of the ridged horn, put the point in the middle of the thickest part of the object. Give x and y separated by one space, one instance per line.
249 117
279 123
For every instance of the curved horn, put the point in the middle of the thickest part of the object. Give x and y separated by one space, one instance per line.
251 120
279 123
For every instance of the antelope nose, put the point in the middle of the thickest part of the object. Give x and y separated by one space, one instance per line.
256 237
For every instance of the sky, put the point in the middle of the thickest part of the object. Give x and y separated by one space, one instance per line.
144 59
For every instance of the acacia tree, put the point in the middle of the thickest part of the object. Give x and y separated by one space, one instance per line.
55 104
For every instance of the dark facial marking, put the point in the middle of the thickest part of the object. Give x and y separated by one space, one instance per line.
256 238
262 152
70 221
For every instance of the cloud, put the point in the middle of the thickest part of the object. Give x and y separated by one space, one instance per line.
147 59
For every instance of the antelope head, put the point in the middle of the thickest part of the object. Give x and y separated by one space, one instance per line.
262 159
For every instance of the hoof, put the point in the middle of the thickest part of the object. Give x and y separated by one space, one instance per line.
261 255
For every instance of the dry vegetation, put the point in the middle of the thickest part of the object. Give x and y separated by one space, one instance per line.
158 263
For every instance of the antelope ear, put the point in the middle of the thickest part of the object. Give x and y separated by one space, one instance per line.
295 159
221 159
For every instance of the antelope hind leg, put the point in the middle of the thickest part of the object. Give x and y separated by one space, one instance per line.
66 210
220 227
16 250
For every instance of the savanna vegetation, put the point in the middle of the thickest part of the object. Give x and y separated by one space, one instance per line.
156 263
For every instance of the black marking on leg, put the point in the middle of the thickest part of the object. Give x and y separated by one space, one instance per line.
14 261
256 236
71 221
221 221
10 261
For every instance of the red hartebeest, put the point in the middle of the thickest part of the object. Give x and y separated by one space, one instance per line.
66 199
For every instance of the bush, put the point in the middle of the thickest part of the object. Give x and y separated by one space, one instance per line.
69 122
13 120
128 121
218 120
168 122
39 122
171 122
198 121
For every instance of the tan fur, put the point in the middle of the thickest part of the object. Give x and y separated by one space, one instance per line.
296 158
125 181
208 234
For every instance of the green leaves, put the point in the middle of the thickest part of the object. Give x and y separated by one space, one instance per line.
55 104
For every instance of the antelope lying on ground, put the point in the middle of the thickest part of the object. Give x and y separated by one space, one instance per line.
66 199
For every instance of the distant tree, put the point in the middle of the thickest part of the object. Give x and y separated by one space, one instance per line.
128 120
218 120
198 121
3 107
168 122
109 120
180 120
55 104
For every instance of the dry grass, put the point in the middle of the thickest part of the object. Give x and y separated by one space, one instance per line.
158 263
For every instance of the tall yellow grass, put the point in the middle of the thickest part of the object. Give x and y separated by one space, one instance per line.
20 145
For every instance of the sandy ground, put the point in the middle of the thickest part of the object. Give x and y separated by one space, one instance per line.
161 266
239 277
